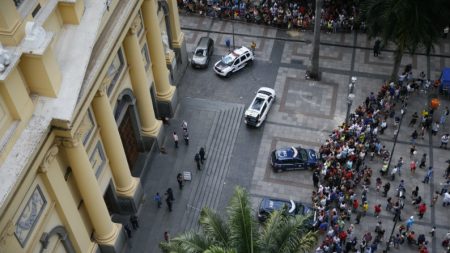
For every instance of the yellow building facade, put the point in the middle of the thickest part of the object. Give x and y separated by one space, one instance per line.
84 85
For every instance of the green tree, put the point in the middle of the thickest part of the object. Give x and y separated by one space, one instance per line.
409 24
240 233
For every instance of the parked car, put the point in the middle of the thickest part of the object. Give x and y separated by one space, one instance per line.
260 106
293 158
233 61
269 205
202 53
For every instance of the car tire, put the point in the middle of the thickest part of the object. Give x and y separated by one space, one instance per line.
228 74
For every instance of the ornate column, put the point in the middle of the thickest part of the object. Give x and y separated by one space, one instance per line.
55 183
139 82
106 232
175 30
125 184
164 90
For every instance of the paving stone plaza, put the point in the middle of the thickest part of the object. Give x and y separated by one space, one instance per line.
305 113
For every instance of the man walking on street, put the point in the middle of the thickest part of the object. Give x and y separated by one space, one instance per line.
180 181
428 176
169 204
202 154
158 200
197 161
169 194
175 139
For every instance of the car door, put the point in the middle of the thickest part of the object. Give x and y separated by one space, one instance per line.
269 101
264 111
243 61
289 164
236 64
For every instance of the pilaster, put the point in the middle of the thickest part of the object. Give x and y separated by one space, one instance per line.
55 183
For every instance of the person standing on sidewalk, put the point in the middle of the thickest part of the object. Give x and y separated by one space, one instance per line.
423 160
412 166
202 154
166 236
180 181
400 164
169 194
186 137
175 139
435 128
184 126
157 199
422 209
444 141
428 176
197 161
134 221
316 178
414 119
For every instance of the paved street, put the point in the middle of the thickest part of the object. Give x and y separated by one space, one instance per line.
304 113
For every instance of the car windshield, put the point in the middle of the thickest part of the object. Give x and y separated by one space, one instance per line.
200 52
228 59
279 205
257 104
265 92
303 154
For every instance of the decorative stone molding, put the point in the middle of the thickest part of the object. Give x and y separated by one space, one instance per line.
35 36
48 158
5 58
9 231
136 25
102 90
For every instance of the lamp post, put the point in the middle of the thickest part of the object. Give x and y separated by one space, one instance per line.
350 97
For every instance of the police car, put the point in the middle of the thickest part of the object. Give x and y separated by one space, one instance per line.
293 158
269 205
233 61
258 109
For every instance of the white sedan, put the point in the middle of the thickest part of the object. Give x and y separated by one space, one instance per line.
260 106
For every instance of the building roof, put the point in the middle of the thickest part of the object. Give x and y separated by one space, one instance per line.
73 54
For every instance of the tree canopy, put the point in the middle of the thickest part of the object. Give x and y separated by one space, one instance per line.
240 233
409 24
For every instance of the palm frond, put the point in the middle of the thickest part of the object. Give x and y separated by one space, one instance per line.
214 227
243 232
189 242
215 249
293 235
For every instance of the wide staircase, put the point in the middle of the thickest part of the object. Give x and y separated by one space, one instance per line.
219 148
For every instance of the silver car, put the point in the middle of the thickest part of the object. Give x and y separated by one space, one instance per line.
202 53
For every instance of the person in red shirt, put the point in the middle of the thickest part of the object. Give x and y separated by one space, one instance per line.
422 210
377 210
343 236
355 205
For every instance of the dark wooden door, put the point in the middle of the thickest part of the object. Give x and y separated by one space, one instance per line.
128 139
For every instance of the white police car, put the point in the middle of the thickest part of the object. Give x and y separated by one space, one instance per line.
233 61
259 108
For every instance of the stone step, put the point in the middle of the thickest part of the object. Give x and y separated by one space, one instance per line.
221 146
191 207
210 171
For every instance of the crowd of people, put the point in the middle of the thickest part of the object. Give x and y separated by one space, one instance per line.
336 15
344 178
